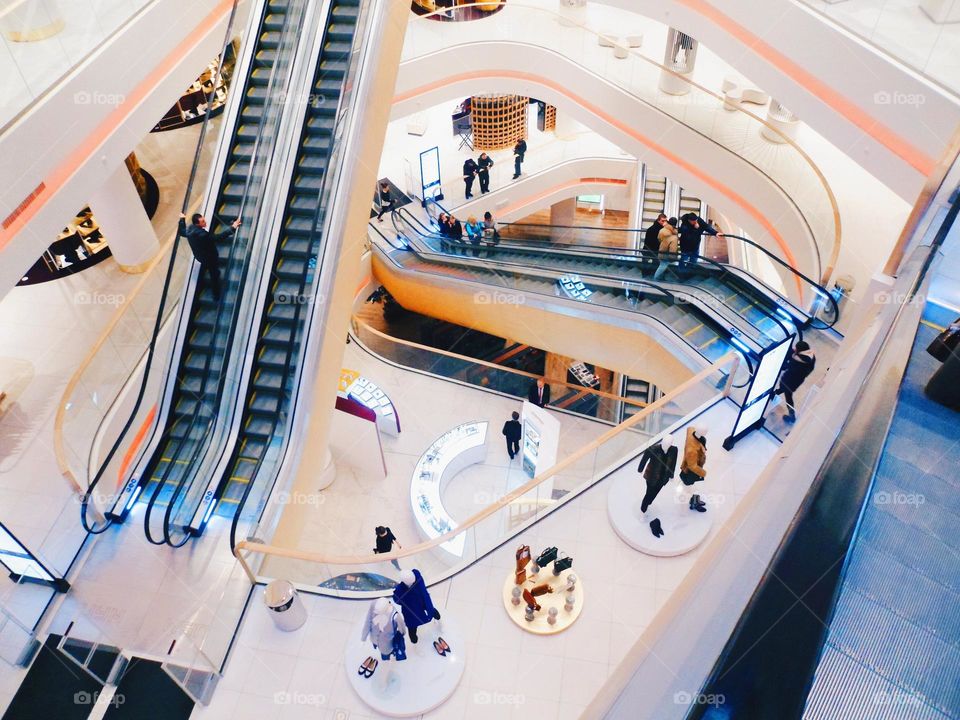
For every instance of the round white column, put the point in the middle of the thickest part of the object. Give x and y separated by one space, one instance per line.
572 12
680 56
124 223
31 20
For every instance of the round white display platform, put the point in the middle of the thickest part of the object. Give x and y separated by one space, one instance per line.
683 528
539 625
420 683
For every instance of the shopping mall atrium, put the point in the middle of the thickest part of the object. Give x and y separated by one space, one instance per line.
468 360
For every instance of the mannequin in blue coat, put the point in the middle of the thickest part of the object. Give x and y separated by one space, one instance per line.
414 601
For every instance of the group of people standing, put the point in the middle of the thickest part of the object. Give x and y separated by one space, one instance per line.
477 232
479 169
670 238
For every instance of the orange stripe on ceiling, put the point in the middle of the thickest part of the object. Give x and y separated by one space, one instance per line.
906 151
55 181
620 125
135 445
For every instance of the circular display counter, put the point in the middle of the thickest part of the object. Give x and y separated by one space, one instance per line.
683 528
418 684
540 625
464 445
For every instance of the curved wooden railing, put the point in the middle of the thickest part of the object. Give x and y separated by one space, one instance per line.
828 264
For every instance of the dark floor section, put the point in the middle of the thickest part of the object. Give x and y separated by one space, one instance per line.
53 689
146 692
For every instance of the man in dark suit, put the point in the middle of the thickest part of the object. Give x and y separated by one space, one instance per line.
512 430
651 239
539 393
692 229
203 243
469 173
484 163
519 150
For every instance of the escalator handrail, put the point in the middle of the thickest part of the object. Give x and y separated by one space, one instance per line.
654 318
654 284
151 346
326 187
188 477
820 290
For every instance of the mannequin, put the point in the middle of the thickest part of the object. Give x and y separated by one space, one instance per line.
383 622
691 469
414 600
658 464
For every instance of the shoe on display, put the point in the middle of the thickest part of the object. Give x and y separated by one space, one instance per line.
444 646
439 648
365 667
372 669
656 528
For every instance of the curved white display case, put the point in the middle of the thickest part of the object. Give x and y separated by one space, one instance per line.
464 445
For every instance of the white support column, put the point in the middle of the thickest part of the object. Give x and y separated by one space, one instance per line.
636 199
680 56
124 223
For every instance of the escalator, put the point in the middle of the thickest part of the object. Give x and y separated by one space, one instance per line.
699 309
682 320
269 395
654 197
208 325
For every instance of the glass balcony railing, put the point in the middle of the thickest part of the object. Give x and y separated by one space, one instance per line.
732 127
471 538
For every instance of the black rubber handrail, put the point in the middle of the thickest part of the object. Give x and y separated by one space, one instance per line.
820 290
93 528
188 477
668 328
519 248
326 188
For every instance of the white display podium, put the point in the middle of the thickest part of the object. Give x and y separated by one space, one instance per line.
422 682
683 528
456 449
369 394
540 625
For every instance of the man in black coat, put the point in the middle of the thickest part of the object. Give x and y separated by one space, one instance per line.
539 393
469 173
692 229
203 243
512 430
799 365
484 163
519 150
651 239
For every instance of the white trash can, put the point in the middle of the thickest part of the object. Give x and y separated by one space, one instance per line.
285 606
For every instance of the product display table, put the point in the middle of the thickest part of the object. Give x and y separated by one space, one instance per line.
683 528
367 393
540 624
453 451
420 683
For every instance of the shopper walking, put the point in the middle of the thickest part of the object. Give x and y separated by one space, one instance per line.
203 244
385 541
512 430
519 150
484 163
669 243
799 365
469 173
692 229
386 200
539 393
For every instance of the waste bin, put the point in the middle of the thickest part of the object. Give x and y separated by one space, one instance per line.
285 606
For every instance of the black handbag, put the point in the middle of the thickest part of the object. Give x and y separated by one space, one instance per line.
546 557
944 344
688 477
561 564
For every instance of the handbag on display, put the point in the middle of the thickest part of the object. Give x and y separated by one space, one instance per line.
523 559
399 644
688 477
561 564
944 344
547 557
